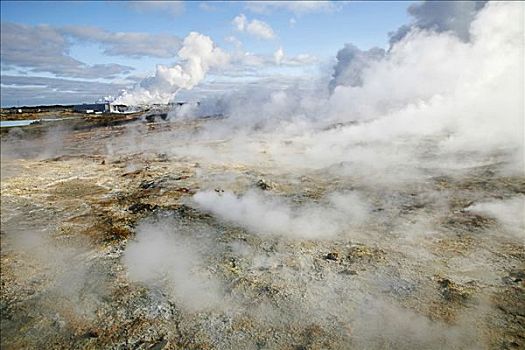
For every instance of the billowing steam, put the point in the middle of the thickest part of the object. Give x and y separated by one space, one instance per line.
436 84
350 63
273 216
450 16
433 95
434 103
198 55
509 212
167 255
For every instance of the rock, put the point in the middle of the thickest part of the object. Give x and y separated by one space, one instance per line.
515 276
332 256
364 253
141 207
183 190
91 334
263 185
452 292
147 184
150 117
134 172
160 345
469 221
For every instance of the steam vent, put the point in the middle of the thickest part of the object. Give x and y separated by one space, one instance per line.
262 175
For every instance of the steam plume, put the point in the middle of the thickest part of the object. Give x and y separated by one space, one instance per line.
266 215
198 55
450 16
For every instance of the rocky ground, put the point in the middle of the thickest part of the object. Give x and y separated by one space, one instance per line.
422 272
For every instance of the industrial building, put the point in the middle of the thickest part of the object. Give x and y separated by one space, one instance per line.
98 108
108 107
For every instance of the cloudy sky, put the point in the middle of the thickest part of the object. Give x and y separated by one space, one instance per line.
72 52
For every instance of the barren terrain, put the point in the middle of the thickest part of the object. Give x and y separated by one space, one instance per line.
110 241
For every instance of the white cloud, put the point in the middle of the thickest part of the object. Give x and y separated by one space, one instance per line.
233 41
44 48
301 59
205 6
128 44
32 90
296 7
280 58
260 29
172 8
254 27
251 59
278 55
240 22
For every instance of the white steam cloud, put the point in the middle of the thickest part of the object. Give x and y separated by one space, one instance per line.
164 255
198 55
429 102
267 215
432 84
71 279
509 212
454 17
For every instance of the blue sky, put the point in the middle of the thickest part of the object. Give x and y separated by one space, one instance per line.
317 30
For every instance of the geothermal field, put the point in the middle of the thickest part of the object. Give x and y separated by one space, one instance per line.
383 208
